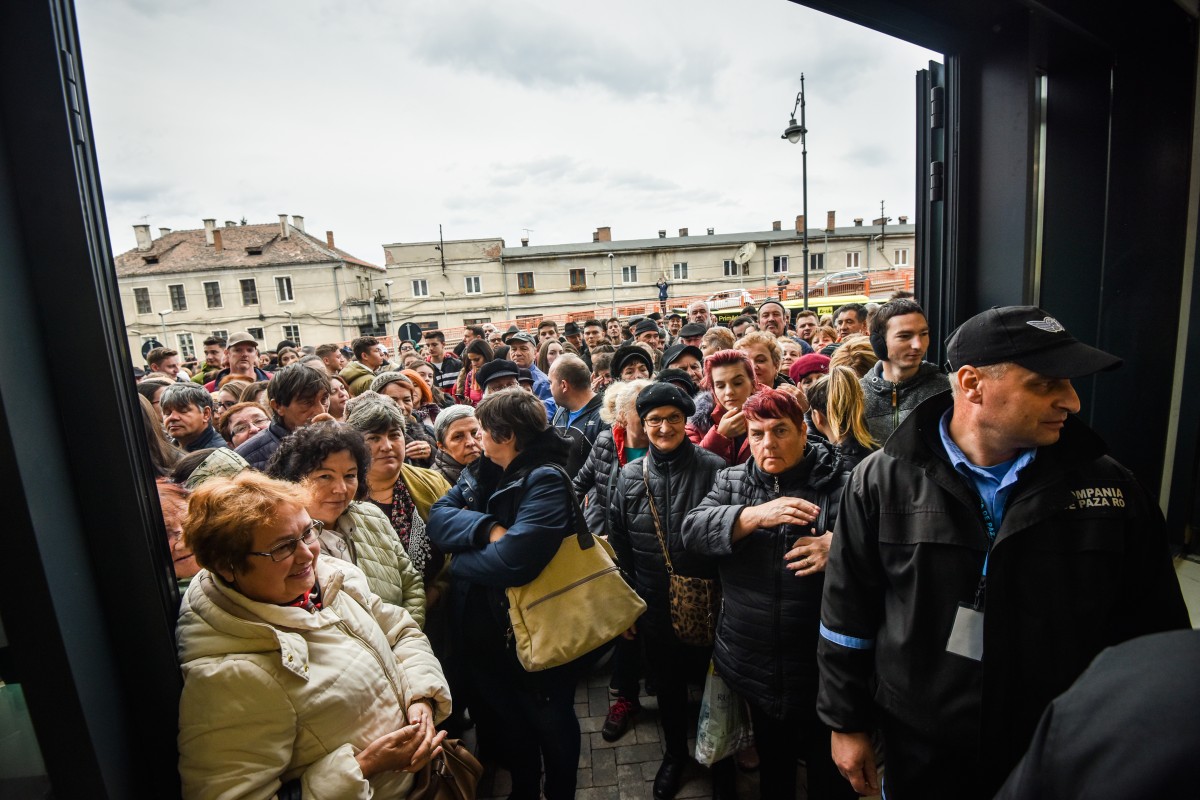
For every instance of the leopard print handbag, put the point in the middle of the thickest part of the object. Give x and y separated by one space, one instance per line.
695 602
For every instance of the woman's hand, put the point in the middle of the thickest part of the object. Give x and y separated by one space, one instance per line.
390 752
417 450
432 596
784 511
809 554
497 533
733 424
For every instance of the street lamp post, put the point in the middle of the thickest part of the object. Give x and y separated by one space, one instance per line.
612 281
162 321
388 286
798 133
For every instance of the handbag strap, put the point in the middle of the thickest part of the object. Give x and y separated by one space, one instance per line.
586 539
662 539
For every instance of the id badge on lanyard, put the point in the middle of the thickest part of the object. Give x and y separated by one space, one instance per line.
966 635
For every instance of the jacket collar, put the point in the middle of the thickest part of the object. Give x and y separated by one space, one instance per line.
238 624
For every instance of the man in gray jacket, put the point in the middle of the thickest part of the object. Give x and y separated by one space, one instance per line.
902 378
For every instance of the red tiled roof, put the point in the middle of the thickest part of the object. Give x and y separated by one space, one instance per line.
186 251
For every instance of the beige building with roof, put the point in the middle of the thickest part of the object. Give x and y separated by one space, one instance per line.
274 280
472 281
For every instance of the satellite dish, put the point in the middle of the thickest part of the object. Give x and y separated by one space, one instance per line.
149 345
744 253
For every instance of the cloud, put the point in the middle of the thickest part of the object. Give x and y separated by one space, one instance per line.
545 50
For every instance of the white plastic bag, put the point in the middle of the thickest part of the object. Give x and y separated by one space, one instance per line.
724 726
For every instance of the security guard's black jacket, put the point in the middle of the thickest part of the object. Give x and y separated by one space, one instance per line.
1080 563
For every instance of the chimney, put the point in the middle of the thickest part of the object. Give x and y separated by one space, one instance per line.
163 232
218 245
710 231
605 234
142 232
283 226
662 234
682 232
229 223
777 225
524 241
858 222
210 225
298 222
903 220
329 239
799 223
830 226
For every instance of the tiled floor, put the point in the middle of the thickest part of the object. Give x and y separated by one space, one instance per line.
624 770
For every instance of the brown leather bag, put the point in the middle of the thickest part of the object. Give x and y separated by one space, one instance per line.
695 602
453 775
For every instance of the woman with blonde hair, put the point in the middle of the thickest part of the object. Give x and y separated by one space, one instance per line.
856 353
762 348
836 407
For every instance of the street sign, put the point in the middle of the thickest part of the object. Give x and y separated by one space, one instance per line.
149 345
410 331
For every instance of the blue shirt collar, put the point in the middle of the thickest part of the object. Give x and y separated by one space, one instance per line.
993 490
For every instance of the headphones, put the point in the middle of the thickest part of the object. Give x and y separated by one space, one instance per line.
879 340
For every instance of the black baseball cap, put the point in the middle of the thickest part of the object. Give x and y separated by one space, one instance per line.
1028 336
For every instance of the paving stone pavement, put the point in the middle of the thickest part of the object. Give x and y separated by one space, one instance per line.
624 769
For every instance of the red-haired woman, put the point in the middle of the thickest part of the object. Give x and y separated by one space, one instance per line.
768 523
718 424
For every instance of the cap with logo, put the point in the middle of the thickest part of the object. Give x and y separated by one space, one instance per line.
521 336
1028 336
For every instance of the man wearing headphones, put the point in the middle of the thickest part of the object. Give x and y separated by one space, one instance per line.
902 378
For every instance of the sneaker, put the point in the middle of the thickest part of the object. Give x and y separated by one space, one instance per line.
620 715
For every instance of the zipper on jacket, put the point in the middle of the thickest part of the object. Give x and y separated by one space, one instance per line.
778 671
895 407
378 660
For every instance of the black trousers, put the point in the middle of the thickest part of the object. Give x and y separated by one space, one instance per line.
530 728
673 666
918 766
781 742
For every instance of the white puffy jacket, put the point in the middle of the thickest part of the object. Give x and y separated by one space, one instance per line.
274 693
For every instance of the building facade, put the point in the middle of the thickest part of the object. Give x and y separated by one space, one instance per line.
464 282
275 281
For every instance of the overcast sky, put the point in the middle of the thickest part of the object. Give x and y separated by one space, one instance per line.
381 119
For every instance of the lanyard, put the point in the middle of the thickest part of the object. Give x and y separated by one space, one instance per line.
991 532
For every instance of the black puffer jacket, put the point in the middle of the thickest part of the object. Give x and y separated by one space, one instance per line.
597 479
679 481
766 644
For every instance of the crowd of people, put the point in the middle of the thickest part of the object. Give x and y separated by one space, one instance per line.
807 506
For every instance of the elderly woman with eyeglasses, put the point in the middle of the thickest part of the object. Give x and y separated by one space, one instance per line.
652 496
298 681
403 493
330 460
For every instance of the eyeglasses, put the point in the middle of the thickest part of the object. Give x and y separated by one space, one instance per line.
658 422
225 405
287 547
